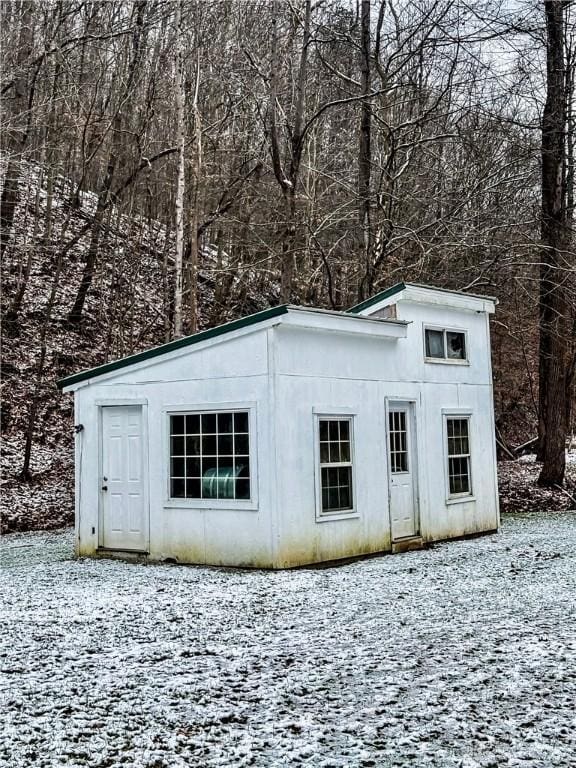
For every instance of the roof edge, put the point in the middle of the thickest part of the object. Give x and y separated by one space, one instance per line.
399 287
377 298
171 346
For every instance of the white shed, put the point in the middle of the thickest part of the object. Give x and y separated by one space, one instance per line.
293 436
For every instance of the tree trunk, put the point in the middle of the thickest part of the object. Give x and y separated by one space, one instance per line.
195 210
75 314
10 191
180 182
118 124
554 353
288 181
364 153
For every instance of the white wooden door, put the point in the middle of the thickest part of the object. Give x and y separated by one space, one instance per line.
124 519
403 490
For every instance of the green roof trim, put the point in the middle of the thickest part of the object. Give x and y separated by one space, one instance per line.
378 297
186 341
402 286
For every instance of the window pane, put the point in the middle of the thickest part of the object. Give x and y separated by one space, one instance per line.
177 425
193 488
336 489
224 422
241 422
243 488
177 446
333 498
459 475
242 466
226 482
193 445
193 424
344 477
210 483
434 343
241 444
335 449
398 441
208 464
209 423
456 345
334 452
457 430
177 488
210 460
225 445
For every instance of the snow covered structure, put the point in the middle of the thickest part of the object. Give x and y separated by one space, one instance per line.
293 436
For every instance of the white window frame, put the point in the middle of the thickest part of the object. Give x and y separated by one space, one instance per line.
446 360
322 517
456 498
250 504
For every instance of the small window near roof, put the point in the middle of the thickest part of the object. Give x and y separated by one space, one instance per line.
210 455
442 344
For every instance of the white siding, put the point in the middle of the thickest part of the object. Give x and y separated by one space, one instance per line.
339 374
187 534
287 374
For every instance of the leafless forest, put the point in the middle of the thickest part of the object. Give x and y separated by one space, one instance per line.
168 166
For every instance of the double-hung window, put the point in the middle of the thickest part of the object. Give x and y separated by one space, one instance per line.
210 455
336 468
458 455
443 344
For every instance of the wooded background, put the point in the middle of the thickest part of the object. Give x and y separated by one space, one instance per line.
168 166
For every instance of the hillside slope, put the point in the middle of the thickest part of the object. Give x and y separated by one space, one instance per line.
124 314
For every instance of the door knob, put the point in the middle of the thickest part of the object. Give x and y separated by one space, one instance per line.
104 487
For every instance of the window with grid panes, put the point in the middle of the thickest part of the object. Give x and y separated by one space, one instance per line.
458 436
398 439
336 464
210 455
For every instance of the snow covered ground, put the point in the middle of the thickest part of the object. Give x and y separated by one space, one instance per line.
463 655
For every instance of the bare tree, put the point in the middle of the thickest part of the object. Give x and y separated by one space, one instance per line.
180 183
20 111
556 365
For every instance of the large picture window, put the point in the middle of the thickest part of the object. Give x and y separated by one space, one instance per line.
336 490
443 344
458 436
210 455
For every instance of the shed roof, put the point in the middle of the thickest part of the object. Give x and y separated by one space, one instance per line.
211 333
399 287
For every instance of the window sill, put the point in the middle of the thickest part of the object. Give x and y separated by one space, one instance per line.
328 518
445 361
231 505
460 499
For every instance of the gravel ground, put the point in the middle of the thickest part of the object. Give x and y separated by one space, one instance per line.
462 655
